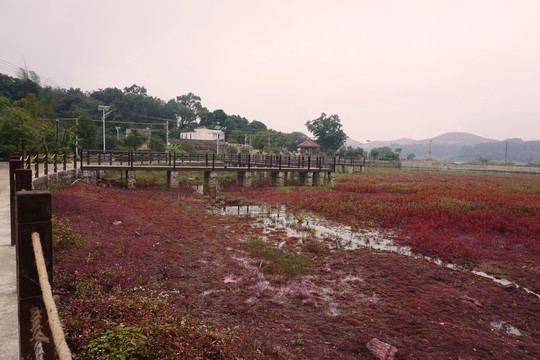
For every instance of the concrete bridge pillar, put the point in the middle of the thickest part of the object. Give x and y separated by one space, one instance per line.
278 178
131 179
210 180
289 178
87 174
318 179
245 178
331 179
172 179
351 169
306 178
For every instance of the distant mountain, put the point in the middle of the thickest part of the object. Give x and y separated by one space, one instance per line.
454 138
461 146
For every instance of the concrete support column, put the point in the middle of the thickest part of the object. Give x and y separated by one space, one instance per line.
245 178
131 179
306 178
331 179
88 174
210 180
362 169
278 178
288 178
351 169
172 179
318 179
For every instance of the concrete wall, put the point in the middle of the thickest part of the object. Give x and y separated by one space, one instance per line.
56 180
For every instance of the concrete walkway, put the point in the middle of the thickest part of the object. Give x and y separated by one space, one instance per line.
9 326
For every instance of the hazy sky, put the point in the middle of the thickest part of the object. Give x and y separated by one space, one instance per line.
388 68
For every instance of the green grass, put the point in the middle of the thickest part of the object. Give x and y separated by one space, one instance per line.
279 261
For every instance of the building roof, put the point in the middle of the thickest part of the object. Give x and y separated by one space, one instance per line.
309 144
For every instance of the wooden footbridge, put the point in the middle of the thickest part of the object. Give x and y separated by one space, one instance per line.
281 169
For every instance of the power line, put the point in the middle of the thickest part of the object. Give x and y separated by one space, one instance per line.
15 71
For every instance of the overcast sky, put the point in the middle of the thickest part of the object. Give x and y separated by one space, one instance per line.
388 68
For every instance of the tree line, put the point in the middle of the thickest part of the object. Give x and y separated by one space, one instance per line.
46 118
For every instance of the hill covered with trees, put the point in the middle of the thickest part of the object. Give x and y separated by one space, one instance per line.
46 118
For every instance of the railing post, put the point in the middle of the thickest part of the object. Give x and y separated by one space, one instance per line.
64 161
279 162
16 161
28 159
110 158
55 161
309 162
36 165
75 160
174 160
46 163
33 214
88 157
334 163
206 159
99 158
213 160
131 159
249 161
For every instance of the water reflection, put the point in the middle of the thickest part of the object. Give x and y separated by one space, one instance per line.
337 236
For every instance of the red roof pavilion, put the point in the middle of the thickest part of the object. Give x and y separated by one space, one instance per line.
309 146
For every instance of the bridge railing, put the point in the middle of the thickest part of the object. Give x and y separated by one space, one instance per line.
48 162
132 159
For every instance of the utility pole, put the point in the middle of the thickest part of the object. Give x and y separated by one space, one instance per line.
77 138
57 134
167 134
506 153
104 108
430 149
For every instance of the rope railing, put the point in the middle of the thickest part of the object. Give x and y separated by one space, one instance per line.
54 320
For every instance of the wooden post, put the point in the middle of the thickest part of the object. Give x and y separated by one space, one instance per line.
16 161
33 214
36 165
64 163
46 163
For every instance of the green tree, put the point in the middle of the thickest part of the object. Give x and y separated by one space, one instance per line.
255 126
270 141
294 139
157 144
17 131
86 131
327 131
188 109
135 140
411 156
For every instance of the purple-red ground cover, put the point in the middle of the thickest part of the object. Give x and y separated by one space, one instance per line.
149 273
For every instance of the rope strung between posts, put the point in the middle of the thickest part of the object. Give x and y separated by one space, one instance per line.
38 338
54 321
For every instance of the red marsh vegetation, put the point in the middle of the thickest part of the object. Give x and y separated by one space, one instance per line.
152 274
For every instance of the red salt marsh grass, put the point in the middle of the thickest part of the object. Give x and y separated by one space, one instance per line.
489 222
152 274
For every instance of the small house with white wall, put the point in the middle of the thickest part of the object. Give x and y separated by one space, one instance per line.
203 134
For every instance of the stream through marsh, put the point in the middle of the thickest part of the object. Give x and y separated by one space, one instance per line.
337 236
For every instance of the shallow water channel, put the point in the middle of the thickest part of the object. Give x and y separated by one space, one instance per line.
336 236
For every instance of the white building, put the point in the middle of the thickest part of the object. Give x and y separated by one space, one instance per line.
203 134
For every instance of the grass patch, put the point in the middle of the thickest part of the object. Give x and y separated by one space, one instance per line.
279 261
